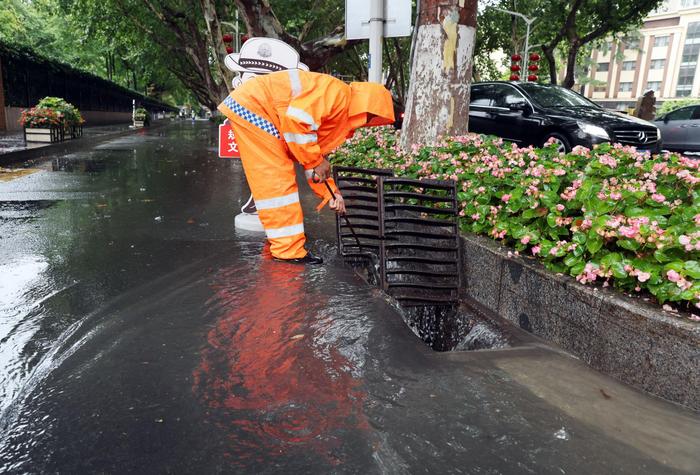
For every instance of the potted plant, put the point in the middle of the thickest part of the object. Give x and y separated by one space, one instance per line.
72 120
141 117
51 120
42 125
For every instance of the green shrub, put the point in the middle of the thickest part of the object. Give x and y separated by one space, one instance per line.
609 214
69 114
141 114
669 106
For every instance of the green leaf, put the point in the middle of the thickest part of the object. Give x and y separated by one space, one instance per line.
692 268
594 244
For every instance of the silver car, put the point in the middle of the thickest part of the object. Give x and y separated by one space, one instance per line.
680 129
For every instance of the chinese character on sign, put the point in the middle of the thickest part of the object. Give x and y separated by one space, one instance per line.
228 148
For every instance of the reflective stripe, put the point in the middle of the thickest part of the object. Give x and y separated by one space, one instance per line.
303 116
309 174
277 202
300 139
254 119
286 231
296 82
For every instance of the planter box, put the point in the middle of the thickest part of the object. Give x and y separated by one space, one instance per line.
44 135
627 338
73 132
138 123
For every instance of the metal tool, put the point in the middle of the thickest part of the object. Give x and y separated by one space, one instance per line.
316 179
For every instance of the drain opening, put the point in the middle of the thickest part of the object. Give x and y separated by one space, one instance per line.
406 242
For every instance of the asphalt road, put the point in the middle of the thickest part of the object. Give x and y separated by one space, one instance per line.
139 333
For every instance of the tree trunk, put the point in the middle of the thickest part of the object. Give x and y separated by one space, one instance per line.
438 97
552 62
260 20
211 18
570 78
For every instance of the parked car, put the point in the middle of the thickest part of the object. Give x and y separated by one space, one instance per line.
533 113
680 129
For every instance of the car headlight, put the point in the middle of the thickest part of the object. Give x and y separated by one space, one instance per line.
593 130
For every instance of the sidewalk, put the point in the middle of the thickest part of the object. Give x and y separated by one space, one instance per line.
14 149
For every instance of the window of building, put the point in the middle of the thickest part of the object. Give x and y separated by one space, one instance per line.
654 85
603 67
600 88
690 3
631 43
657 64
625 86
661 41
629 65
689 61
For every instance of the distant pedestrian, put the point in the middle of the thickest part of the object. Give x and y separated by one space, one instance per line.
646 106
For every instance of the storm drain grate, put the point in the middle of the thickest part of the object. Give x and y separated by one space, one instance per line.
419 250
407 230
359 189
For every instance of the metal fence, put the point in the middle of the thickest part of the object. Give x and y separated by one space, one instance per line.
28 78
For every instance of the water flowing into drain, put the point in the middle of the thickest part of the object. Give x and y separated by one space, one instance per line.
409 247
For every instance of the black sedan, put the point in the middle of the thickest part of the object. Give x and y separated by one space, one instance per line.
681 129
532 114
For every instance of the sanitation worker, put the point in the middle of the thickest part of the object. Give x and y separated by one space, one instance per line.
297 116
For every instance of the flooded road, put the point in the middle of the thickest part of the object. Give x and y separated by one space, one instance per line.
140 333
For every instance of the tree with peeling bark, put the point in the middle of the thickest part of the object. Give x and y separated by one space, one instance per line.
438 97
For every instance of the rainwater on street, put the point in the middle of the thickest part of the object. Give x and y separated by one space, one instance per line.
140 333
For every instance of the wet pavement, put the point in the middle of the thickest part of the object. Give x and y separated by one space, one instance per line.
140 333
14 141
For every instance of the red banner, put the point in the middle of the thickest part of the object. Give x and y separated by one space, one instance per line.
228 148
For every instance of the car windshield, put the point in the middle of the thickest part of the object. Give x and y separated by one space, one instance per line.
555 96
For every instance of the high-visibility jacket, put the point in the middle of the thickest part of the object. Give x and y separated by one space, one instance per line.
301 116
313 112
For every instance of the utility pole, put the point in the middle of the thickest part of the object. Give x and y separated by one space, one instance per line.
441 73
376 35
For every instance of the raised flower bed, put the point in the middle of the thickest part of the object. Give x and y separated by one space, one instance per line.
608 215
51 120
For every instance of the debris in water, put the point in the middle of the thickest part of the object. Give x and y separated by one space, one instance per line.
158 218
297 337
561 434
605 395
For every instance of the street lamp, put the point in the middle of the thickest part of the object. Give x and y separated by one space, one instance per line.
528 22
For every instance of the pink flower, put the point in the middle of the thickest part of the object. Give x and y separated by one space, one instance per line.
697 219
536 250
628 231
673 276
505 198
475 216
525 239
615 196
643 276
684 240
560 207
658 197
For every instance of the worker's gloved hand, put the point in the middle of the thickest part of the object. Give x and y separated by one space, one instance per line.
323 170
337 204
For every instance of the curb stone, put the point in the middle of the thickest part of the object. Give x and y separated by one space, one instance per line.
629 339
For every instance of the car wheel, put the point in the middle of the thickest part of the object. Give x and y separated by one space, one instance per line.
563 144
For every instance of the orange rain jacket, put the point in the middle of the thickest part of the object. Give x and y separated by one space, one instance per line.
300 116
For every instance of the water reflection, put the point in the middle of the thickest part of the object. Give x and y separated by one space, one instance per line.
267 371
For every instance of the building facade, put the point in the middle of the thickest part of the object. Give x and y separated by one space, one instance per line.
664 56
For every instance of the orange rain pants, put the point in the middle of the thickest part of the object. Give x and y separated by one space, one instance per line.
299 116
